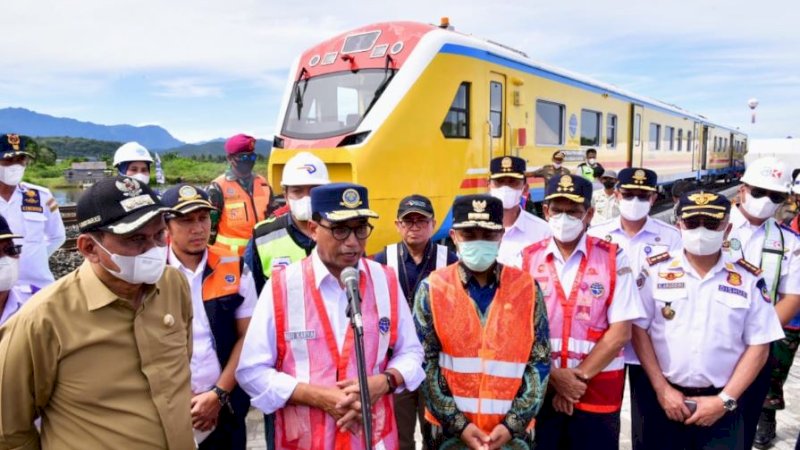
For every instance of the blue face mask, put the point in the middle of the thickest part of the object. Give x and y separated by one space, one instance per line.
478 255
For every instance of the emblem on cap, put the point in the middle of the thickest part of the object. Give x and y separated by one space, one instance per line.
13 141
186 193
129 187
702 198
565 184
639 177
505 164
351 198
479 206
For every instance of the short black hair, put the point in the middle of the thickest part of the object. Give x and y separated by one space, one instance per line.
590 150
795 172
681 187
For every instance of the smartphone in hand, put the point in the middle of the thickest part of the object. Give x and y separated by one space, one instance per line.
691 404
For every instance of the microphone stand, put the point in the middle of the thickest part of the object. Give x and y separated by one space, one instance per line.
354 312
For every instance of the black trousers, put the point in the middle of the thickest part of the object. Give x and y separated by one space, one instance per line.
230 434
409 407
727 433
752 401
644 404
582 430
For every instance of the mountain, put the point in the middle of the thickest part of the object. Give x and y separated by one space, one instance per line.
31 123
215 148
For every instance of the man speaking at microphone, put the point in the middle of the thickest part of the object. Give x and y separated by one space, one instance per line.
299 362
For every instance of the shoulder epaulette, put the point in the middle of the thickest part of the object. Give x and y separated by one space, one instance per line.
748 266
661 257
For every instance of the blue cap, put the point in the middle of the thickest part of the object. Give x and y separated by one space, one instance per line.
5 230
507 166
637 178
571 187
700 203
185 198
338 202
13 145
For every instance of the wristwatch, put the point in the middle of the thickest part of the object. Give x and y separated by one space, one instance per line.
392 381
728 402
224 396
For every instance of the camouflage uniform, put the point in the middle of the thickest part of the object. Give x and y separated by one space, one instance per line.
549 171
781 358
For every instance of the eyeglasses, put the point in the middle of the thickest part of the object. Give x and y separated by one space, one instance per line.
774 197
341 232
706 222
631 195
419 223
12 250
246 157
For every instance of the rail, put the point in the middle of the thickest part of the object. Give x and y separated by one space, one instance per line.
69 215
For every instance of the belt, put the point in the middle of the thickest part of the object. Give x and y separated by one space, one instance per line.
697 392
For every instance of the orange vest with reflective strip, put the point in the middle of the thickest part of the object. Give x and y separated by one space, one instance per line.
483 367
240 212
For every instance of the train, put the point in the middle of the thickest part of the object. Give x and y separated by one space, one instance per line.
407 107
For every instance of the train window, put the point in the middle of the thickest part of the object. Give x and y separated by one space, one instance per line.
496 108
590 128
456 122
680 139
688 141
637 129
655 136
549 123
669 138
611 131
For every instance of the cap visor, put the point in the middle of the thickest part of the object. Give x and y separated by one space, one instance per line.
10 236
478 224
348 214
136 220
415 210
711 214
191 206
9 155
495 176
637 186
573 197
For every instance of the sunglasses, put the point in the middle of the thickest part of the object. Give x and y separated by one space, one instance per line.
341 232
644 196
706 222
246 157
12 251
774 197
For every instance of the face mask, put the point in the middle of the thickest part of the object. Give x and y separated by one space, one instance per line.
301 208
478 256
9 273
11 175
760 208
509 196
591 161
634 209
141 177
566 228
146 268
609 184
244 167
701 241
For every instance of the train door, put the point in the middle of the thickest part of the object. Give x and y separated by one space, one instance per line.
696 147
635 149
497 116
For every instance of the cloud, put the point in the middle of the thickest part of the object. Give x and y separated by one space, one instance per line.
187 88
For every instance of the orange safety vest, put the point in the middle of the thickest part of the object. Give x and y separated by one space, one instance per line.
241 212
483 367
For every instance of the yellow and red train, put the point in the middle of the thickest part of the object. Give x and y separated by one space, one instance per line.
405 107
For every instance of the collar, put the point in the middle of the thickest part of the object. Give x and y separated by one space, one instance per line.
719 266
97 294
173 261
15 299
552 248
321 271
407 254
466 275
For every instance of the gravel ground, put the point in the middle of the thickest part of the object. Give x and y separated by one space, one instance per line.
63 261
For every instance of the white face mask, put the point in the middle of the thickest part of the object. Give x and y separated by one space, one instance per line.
141 177
591 161
760 208
702 242
9 273
301 208
566 228
634 209
508 195
146 268
11 175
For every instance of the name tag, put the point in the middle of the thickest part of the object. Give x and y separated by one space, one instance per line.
732 290
300 335
671 285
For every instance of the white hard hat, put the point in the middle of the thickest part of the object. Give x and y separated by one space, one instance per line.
796 185
768 173
131 151
304 169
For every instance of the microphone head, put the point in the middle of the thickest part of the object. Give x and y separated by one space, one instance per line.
349 274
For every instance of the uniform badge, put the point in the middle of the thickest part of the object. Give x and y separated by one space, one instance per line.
351 198
540 268
597 290
735 244
169 320
608 238
129 187
667 311
583 286
383 325
13 141
726 245
648 250
762 287
734 279
230 278
640 280
505 164
669 276
592 271
281 261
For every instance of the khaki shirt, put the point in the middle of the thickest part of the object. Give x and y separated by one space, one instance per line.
549 171
98 373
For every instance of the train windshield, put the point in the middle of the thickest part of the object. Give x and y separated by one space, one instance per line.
333 104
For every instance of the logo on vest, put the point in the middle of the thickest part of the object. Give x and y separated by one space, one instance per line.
230 278
597 290
591 271
281 261
300 335
383 325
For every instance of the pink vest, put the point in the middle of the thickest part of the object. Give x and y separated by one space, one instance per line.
307 350
577 322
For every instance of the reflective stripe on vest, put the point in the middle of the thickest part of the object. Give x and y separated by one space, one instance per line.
307 350
482 367
772 257
392 261
241 212
579 321
277 249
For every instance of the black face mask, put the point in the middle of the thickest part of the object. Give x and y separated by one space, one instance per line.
244 167
609 184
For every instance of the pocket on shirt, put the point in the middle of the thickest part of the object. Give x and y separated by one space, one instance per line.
173 344
34 226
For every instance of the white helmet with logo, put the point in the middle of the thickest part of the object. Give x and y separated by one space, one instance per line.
131 151
768 173
304 169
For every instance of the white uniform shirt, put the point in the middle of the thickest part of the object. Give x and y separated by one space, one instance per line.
43 233
526 230
205 367
716 318
270 389
16 298
747 241
606 207
625 305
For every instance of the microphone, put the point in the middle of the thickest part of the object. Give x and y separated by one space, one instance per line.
350 278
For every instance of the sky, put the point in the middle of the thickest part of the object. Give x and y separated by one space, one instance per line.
205 69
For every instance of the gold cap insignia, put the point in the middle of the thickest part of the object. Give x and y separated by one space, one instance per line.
351 198
702 198
129 187
565 184
479 206
639 177
187 193
13 141
505 164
